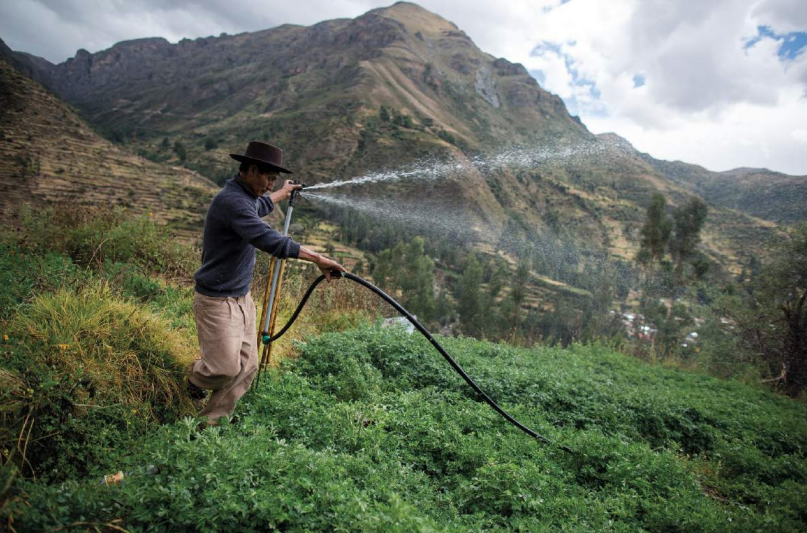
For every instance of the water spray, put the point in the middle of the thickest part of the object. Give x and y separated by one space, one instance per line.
516 158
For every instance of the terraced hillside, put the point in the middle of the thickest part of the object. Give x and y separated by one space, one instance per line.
49 154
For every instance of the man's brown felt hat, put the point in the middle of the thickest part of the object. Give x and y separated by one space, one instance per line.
263 154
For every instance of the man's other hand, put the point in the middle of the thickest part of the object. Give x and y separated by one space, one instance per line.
326 266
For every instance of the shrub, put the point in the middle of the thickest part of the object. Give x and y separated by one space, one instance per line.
85 370
23 274
91 236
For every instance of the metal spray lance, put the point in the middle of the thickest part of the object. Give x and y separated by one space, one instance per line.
272 294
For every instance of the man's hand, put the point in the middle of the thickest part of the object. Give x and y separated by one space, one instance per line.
325 265
288 187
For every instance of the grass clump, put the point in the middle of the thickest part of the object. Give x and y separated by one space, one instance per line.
90 370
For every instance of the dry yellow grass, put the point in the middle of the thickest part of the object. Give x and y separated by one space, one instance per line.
125 353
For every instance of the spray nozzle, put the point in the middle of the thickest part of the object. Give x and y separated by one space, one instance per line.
295 191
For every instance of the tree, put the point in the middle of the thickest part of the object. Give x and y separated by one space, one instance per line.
384 114
511 309
671 325
179 149
358 269
655 232
562 324
689 220
408 270
416 278
774 325
470 299
211 144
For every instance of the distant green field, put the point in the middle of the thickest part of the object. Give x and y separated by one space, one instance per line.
370 430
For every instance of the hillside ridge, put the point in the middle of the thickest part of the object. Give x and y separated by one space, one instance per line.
50 155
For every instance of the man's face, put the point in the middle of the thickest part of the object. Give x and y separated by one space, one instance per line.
261 180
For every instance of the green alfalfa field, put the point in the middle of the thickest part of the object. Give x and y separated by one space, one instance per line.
364 429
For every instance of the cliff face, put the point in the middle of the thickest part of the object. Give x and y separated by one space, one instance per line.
402 56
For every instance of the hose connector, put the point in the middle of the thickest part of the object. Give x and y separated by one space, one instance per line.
295 191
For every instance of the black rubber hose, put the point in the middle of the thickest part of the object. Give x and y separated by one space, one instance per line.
398 307
299 308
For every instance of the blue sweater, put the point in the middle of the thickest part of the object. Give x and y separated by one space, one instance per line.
233 229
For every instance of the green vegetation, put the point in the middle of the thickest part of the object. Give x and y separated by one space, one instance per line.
77 351
179 150
408 273
766 324
370 430
655 232
85 365
211 143
757 328
97 329
689 221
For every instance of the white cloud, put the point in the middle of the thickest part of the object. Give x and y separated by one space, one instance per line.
782 15
706 98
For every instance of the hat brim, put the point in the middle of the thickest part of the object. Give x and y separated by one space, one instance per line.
244 159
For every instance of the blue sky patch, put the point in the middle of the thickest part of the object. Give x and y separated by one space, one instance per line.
638 80
792 44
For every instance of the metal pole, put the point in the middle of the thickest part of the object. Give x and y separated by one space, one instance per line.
275 277
270 303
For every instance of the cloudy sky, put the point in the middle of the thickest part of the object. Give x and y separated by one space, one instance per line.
720 83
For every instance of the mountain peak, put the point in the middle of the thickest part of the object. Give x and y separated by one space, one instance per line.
143 41
415 18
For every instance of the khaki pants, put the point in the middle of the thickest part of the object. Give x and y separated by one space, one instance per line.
229 351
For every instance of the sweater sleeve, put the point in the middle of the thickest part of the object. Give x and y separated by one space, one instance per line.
265 206
249 226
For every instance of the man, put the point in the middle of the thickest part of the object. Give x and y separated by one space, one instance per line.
222 305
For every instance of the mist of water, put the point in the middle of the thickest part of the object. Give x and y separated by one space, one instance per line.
426 219
462 228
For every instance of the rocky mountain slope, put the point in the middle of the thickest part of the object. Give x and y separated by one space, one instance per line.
49 154
392 87
756 191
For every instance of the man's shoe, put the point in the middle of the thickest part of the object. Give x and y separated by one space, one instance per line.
196 393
